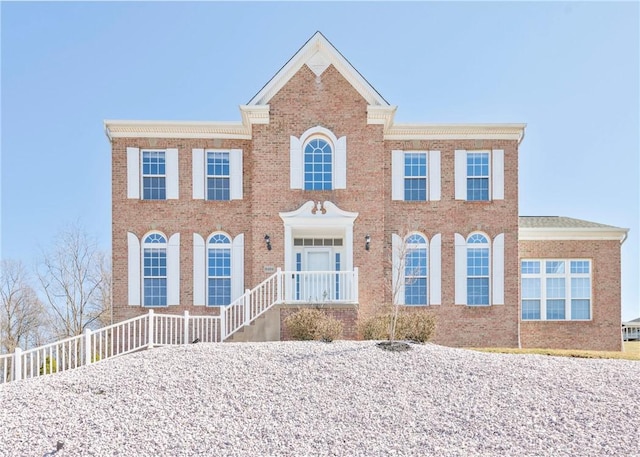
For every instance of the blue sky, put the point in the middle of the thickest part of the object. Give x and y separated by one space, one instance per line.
568 70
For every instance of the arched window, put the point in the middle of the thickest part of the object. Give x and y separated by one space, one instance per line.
154 261
415 274
477 270
218 270
318 164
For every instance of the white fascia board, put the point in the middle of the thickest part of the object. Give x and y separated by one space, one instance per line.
585 233
455 132
177 129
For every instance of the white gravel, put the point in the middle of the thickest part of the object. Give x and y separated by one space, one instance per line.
317 399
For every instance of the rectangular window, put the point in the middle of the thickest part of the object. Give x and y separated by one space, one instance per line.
415 176
478 276
218 179
478 176
219 275
154 175
556 289
155 277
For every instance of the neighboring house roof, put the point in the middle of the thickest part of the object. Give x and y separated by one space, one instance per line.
634 321
567 228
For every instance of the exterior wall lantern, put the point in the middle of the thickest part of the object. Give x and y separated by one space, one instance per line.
367 242
267 240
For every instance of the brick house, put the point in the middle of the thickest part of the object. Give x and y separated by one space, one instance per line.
317 197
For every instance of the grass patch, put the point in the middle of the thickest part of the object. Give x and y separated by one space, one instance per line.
631 352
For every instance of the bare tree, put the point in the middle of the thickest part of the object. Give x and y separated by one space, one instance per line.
71 276
21 311
105 296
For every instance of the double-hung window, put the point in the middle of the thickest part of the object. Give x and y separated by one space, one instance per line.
556 289
318 160
217 176
415 175
153 175
479 175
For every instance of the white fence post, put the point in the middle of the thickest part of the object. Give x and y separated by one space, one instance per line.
87 346
355 284
150 329
17 364
223 323
279 286
247 306
186 327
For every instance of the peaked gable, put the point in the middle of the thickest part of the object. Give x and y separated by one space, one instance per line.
318 54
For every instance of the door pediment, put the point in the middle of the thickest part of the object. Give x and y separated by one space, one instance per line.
313 214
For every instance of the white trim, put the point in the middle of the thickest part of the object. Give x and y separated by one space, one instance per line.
397 175
435 270
199 270
460 269
235 174
199 170
340 164
398 279
460 174
497 173
296 172
434 175
237 267
133 173
318 44
133 269
497 273
173 270
455 132
172 174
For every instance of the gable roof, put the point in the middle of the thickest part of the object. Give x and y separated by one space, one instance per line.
567 228
318 53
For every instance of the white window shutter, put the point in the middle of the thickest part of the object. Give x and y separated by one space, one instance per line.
133 173
498 270
199 171
497 172
235 172
173 270
296 171
237 267
460 269
171 156
340 167
199 270
434 175
397 281
460 171
133 266
397 175
435 270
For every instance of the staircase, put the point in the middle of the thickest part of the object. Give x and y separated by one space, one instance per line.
252 317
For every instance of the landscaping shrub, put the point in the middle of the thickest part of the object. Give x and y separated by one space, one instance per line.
313 324
412 325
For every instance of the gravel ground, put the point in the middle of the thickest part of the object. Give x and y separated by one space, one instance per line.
316 399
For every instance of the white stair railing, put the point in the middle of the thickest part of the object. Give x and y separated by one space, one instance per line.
167 329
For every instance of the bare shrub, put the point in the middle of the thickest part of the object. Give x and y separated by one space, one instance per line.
414 325
313 324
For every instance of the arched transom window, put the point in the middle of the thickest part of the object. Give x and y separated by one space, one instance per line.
416 270
218 270
155 270
318 164
477 270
